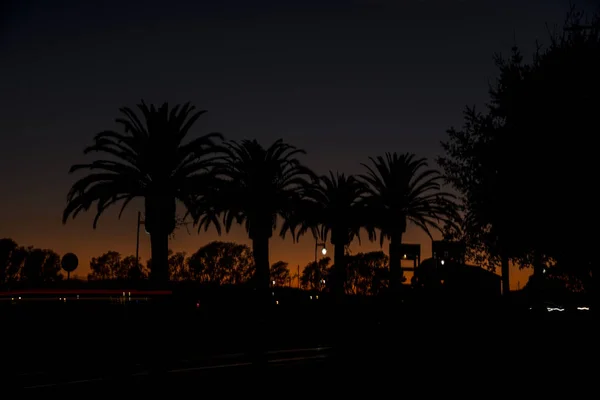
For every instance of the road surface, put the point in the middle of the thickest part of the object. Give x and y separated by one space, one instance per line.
437 356
323 371
209 372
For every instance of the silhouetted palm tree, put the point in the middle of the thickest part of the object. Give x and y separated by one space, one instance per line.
254 186
149 160
335 205
401 189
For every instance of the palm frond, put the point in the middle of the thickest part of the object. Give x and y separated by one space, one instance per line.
402 189
254 186
148 159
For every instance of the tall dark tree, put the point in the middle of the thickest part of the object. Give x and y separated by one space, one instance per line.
255 186
32 268
368 273
402 190
13 257
221 263
478 170
51 269
134 269
178 270
523 166
149 160
313 274
41 266
335 206
108 266
280 273
7 247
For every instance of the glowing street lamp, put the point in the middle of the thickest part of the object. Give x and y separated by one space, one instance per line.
324 252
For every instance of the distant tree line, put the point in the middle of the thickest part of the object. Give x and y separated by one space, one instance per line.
227 263
27 264
216 263
366 274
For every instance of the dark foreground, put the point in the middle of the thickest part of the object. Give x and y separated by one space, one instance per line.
319 373
313 352
559 362
229 373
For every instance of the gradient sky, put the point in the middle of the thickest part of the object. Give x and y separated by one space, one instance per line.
342 79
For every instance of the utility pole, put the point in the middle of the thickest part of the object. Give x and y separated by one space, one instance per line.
137 243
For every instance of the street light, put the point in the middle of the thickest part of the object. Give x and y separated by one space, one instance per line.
324 252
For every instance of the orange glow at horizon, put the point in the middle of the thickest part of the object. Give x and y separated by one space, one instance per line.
79 237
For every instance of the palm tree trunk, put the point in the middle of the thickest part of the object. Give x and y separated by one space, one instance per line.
260 250
339 262
159 245
395 263
159 222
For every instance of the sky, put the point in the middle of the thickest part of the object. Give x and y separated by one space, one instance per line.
343 80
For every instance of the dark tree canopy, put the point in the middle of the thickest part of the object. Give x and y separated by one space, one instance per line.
280 273
254 186
524 165
401 189
151 160
30 265
221 263
335 207
148 159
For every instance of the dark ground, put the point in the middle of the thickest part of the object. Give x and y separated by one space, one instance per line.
97 348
